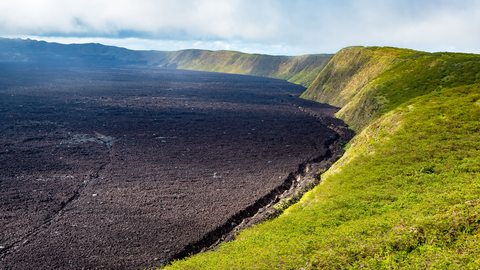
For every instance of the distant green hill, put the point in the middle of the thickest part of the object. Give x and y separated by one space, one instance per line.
405 195
297 69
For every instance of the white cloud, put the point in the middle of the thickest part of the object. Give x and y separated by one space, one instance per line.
285 27
167 18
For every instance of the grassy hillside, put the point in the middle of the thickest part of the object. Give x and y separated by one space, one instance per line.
367 82
297 69
406 192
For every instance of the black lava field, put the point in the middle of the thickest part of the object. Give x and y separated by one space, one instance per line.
125 167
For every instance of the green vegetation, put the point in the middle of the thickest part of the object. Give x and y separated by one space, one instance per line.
406 194
368 82
297 69
349 71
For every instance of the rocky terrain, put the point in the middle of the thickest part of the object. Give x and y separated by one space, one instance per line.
128 167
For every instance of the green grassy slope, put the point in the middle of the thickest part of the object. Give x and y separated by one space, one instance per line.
349 71
406 194
297 69
367 82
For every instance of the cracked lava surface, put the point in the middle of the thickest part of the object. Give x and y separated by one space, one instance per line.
120 168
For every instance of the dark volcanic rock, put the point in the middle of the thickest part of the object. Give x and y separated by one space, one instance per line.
125 167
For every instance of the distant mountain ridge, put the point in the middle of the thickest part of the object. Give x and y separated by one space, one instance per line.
41 52
297 69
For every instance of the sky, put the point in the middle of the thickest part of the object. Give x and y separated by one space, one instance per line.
275 27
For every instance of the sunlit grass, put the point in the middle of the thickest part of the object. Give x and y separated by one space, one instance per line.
296 69
408 197
406 192
368 82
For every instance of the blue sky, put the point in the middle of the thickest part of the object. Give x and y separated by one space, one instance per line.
277 27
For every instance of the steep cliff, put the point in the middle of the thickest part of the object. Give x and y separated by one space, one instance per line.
297 69
368 82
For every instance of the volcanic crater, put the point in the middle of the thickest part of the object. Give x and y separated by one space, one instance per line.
129 167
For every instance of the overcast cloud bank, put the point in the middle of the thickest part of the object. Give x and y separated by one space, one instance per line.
268 26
